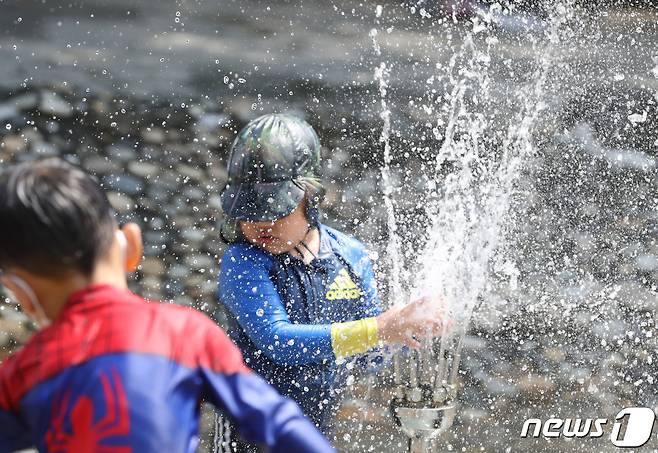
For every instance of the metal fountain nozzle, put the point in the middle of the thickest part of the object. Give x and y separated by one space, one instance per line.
424 402
424 413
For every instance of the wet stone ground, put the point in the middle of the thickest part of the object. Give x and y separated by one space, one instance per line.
150 104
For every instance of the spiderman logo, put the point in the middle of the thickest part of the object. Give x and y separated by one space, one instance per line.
86 434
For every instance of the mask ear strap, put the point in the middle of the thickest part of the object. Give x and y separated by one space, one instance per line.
303 244
41 319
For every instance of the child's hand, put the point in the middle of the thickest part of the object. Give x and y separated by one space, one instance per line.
407 324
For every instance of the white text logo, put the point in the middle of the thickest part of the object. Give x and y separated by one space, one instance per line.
631 427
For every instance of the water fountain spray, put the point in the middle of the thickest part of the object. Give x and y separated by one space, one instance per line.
469 209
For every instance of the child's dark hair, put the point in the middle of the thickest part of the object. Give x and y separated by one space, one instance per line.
54 218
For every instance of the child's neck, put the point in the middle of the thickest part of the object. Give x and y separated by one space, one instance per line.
309 248
56 295
53 294
108 274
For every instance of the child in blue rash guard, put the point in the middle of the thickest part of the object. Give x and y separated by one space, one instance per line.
299 294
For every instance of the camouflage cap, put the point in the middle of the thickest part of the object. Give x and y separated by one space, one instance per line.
271 161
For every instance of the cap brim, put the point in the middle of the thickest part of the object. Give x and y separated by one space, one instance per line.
260 202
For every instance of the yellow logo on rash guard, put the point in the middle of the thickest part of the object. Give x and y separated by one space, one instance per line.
343 287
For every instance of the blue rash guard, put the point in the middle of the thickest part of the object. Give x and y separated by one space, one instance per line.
280 313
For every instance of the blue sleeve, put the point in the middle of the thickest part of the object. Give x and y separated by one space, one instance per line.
246 289
262 415
14 435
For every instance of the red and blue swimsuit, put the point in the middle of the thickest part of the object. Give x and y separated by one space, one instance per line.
117 374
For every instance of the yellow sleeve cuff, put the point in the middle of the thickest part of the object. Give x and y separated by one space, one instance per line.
354 337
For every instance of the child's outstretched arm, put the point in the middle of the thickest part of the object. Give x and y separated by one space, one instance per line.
246 289
248 292
261 414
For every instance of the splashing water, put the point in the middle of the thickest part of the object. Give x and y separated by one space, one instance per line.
474 201
473 181
394 242
393 246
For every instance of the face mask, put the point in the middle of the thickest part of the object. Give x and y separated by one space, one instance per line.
40 319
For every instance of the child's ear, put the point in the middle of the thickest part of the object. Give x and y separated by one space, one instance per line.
134 246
